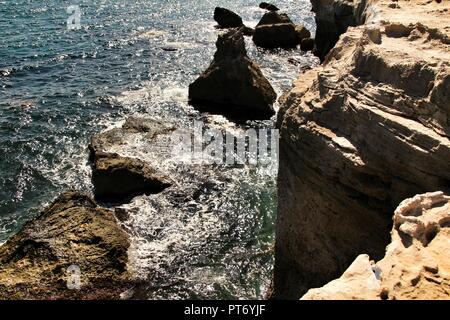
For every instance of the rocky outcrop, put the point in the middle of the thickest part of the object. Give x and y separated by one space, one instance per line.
277 31
268 6
417 262
270 18
307 44
364 131
119 178
227 18
333 17
233 85
73 233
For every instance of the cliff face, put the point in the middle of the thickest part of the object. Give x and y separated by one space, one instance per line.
417 262
333 17
360 134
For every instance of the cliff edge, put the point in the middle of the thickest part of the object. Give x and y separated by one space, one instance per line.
367 129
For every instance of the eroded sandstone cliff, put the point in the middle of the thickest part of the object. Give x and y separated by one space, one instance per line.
360 134
417 262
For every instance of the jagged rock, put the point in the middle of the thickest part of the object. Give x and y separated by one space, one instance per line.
103 142
274 18
307 44
268 6
357 136
417 262
227 19
118 179
247 31
277 31
34 263
233 85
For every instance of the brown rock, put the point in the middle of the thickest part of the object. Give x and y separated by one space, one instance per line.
277 31
227 19
358 135
274 18
73 231
118 179
417 262
233 85
307 44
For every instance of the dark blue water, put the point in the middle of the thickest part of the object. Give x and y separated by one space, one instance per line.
60 86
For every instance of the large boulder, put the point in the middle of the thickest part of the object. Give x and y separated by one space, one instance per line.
72 234
233 85
307 44
274 18
278 31
280 35
227 18
416 264
118 179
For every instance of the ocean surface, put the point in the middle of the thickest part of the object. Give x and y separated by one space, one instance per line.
58 87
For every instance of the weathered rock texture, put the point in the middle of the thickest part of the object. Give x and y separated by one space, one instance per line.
227 19
233 85
417 262
366 130
117 178
278 31
72 231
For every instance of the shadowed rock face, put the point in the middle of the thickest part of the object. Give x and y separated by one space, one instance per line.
416 264
333 18
227 19
361 133
278 31
72 231
117 179
233 85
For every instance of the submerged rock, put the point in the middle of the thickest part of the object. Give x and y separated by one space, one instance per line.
227 18
268 6
277 31
118 179
72 234
417 262
233 85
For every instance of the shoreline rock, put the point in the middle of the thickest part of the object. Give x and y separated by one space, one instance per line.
365 130
233 85
416 264
227 18
118 179
72 231
276 30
